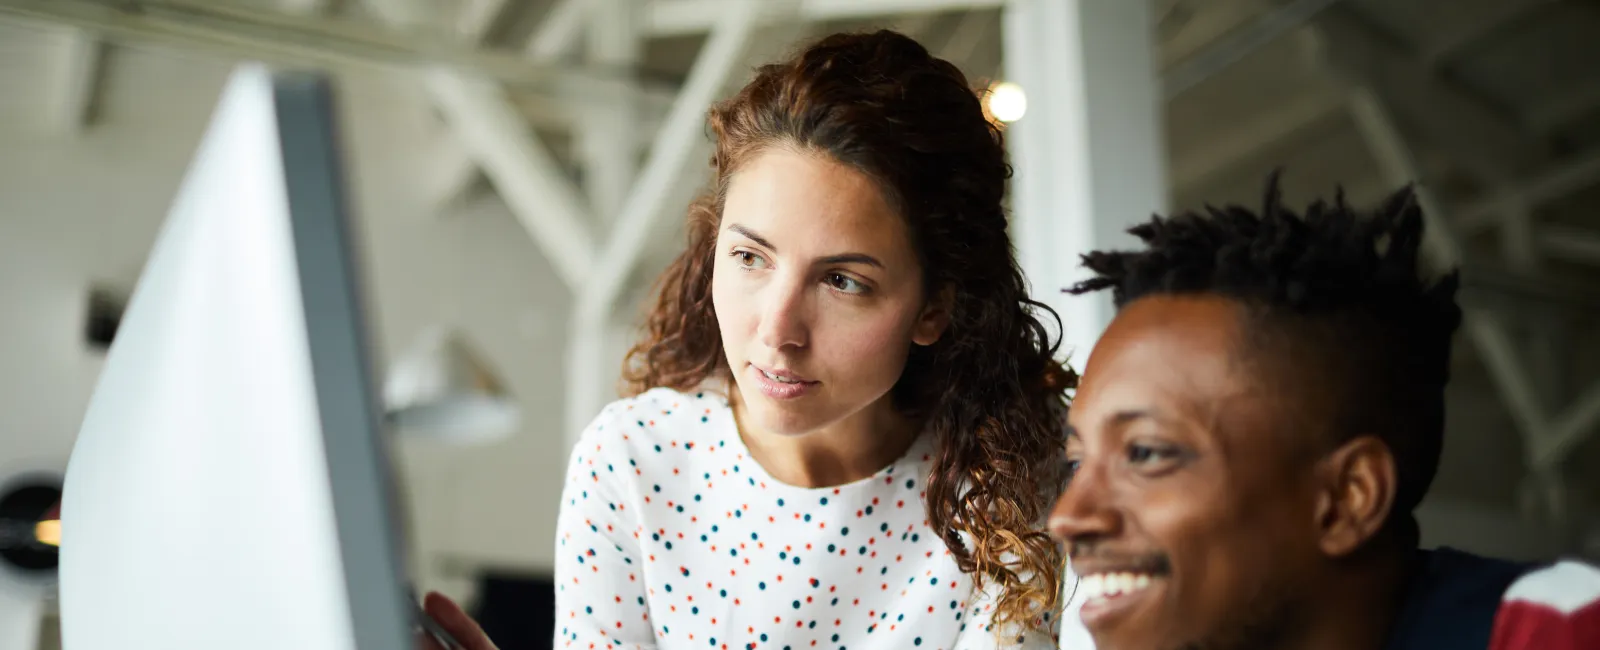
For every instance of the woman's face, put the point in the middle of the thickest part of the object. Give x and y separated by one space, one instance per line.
817 290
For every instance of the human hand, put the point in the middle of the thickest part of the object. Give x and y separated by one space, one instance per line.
454 620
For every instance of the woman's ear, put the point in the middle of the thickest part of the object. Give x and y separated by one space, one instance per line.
935 317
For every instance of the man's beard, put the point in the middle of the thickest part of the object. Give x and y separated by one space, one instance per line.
1269 622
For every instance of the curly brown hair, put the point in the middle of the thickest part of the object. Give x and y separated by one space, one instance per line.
990 390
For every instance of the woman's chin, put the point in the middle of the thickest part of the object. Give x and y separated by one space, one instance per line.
775 417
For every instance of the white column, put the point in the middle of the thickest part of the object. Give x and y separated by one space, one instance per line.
608 142
675 148
1088 153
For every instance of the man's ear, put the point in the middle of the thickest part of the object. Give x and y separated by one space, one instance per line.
1357 484
935 317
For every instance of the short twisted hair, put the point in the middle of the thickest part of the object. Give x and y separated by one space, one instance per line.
1342 287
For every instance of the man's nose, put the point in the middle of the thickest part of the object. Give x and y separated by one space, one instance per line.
1084 511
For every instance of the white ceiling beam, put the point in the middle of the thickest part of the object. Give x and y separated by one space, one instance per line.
460 174
557 35
79 59
1237 143
477 17
1398 165
1455 121
1577 245
665 173
1577 422
1556 182
1576 102
311 7
683 17
1547 440
521 169
1461 28
608 138
1233 46
498 138
281 38
670 154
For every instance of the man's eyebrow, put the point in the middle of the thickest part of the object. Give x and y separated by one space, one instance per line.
753 236
1118 418
852 258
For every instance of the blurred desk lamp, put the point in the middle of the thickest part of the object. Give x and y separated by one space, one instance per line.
441 389
29 536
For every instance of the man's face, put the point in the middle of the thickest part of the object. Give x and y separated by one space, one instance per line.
1190 517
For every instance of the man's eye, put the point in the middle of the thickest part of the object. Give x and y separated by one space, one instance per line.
1147 455
845 284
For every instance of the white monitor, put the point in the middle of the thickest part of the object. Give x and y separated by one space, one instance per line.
230 486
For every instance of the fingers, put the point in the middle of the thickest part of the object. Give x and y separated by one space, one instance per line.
426 642
452 618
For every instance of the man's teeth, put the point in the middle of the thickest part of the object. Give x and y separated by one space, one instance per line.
1102 585
778 379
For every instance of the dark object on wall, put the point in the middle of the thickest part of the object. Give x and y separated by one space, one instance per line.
104 316
517 611
23 504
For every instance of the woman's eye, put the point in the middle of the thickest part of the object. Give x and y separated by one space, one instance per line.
1073 464
749 260
845 283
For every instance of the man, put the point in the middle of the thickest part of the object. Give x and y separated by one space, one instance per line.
1253 432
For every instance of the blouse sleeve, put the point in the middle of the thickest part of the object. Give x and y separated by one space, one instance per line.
600 592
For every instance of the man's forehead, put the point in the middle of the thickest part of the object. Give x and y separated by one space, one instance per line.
1161 357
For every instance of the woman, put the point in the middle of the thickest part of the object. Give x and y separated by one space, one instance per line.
844 424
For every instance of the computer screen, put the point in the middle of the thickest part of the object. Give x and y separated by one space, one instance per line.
231 486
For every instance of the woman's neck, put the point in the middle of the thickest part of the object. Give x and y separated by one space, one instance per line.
847 451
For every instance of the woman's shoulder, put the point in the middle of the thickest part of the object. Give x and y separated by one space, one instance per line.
659 420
